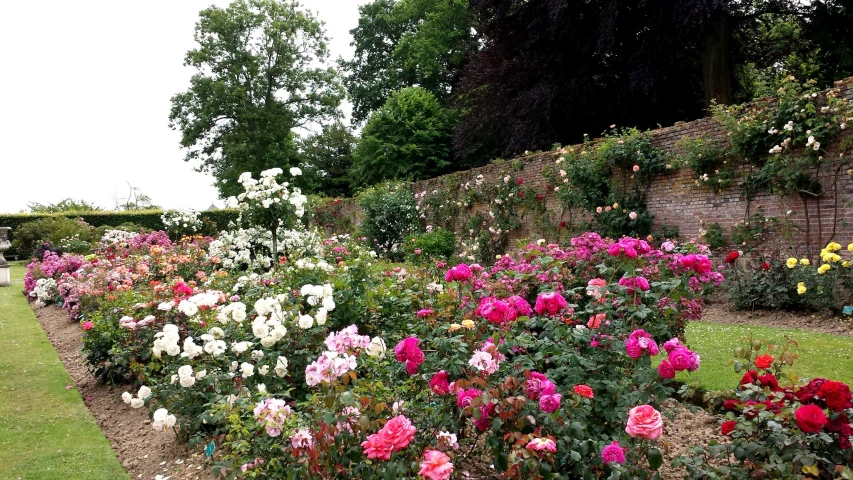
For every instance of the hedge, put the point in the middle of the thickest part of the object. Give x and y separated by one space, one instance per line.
213 221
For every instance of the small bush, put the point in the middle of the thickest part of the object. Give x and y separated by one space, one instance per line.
51 229
715 236
439 243
390 215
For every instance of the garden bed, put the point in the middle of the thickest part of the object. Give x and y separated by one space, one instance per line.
146 453
143 451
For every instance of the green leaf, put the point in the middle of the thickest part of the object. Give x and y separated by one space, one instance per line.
655 458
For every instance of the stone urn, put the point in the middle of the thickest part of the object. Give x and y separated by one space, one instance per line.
5 244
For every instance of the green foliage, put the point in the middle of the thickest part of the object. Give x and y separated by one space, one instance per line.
670 232
708 159
610 179
715 236
327 214
779 426
390 216
260 74
786 138
437 244
404 43
213 221
407 139
66 205
326 158
53 229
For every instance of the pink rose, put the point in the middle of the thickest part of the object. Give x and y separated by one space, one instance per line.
644 422
87 325
459 273
408 351
376 447
424 312
537 384
665 370
398 432
493 310
439 383
465 397
550 403
542 445
549 303
436 466
517 307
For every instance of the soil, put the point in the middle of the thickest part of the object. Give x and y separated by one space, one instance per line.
144 452
821 322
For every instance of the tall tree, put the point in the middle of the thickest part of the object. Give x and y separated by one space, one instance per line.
409 138
551 70
404 43
326 160
260 74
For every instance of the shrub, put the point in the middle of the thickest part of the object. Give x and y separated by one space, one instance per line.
715 237
390 215
50 229
780 427
437 244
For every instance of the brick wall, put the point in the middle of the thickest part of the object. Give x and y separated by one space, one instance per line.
676 201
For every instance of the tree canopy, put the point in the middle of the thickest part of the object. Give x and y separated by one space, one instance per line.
259 76
408 138
326 160
404 43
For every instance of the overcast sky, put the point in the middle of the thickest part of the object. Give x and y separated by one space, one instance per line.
84 98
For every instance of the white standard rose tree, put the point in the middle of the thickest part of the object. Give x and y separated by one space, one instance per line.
270 206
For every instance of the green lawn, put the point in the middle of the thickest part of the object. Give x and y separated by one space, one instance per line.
46 432
821 355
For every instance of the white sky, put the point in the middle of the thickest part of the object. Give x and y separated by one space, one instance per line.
84 98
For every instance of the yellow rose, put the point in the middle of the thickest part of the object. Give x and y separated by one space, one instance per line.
791 263
801 288
823 268
805 262
846 264
467 323
850 247
454 327
831 257
833 247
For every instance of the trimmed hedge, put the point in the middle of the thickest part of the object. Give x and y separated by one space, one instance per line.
213 221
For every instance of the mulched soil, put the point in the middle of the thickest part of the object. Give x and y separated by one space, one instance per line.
144 452
821 322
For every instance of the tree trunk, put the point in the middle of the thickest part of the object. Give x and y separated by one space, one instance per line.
716 61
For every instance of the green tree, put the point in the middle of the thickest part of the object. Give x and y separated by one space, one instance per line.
408 138
404 43
327 158
66 205
260 74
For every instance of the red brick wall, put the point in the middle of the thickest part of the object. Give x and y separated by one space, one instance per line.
676 201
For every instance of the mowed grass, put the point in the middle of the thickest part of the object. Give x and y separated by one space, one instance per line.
821 355
46 432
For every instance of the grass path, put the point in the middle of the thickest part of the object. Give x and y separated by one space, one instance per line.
46 432
821 355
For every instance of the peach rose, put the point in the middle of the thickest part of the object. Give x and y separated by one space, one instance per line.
644 422
436 466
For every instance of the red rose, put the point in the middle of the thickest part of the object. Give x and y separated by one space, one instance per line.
770 381
749 377
732 404
727 427
765 265
732 257
836 395
810 418
584 391
763 361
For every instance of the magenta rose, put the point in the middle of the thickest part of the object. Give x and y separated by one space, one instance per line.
550 403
